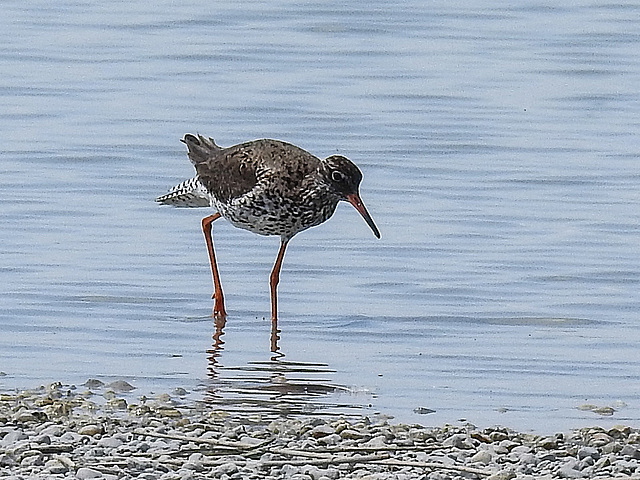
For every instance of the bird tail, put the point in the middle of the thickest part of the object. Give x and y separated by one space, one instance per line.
200 148
190 193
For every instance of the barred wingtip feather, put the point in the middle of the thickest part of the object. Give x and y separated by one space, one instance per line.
189 194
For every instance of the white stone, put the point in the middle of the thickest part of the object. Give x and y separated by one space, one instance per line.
85 473
55 466
110 442
482 456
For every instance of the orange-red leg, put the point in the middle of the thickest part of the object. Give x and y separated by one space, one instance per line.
274 280
218 306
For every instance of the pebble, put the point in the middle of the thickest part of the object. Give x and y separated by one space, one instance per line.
321 431
110 442
333 439
55 466
90 430
600 439
85 473
588 452
56 432
482 456
423 410
227 468
12 437
351 434
630 451
121 386
458 440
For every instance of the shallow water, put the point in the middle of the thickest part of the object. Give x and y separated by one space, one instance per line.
500 151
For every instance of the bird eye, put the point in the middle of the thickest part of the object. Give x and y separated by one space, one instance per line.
337 176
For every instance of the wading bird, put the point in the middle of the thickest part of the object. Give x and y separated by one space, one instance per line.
268 187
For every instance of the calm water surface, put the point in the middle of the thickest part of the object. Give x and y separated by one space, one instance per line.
500 148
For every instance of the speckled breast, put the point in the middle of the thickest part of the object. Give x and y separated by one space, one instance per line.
267 215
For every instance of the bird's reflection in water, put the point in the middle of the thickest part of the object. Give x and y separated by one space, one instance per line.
275 338
216 348
273 387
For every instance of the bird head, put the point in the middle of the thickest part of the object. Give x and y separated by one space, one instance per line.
342 178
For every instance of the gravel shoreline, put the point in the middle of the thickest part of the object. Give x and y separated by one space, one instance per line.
62 432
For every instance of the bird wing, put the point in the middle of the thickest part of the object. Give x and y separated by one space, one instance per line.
232 172
225 173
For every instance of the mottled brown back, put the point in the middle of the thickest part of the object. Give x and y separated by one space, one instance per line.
231 172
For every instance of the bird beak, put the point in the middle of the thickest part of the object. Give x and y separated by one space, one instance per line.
355 200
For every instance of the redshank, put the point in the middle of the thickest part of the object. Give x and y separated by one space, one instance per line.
268 187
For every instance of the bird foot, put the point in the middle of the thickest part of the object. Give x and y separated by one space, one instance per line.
219 313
